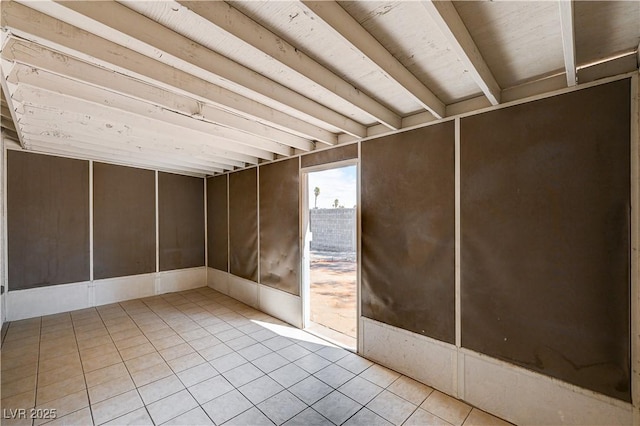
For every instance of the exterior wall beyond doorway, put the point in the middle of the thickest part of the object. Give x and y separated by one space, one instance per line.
333 229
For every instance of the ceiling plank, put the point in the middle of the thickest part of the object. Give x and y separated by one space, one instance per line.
8 112
621 64
8 124
251 32
126 159
162 117
5 112
36 26
143 156
568 40
444 14
10 134
60 64
155 40
338 20
152 150
51 110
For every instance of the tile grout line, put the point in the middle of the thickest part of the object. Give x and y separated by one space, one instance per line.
135 385
125 366
84 376
35 397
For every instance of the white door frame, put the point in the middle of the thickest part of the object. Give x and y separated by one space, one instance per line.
305 279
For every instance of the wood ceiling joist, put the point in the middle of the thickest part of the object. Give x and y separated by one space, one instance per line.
345 26
127 159
56 63
85 121
39 130
444 14
180 134
227 18
38 27
150 115
10 134
568 40
5 112
143 33
8 124
8 113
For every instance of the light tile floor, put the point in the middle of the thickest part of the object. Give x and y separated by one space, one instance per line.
199 357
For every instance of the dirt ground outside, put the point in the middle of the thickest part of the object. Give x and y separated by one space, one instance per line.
333 290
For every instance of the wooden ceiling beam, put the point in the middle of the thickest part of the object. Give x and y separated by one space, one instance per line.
152 151
346 27
51 103
444 14
8 124
38 27
568 41
240 26
123 158
150 116
57 63
155 40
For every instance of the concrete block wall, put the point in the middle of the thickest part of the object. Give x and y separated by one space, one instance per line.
333 229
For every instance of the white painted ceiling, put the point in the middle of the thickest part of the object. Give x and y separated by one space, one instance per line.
205 87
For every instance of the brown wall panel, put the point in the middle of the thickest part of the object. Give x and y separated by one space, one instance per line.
279 225
408 230
181 221
332 155
545 236
124 221
217 223
48 220
243 224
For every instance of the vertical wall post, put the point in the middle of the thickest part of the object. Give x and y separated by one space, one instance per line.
91 293
228 230
459 369
156 281
4 257
635 246
206 236
359 322
258 231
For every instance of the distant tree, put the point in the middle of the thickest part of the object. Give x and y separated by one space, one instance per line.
335 203
316 192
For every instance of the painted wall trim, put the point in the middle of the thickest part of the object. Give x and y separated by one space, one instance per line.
4 258
277 303
244 290
40 301
511 392
218 280
524 100
280 304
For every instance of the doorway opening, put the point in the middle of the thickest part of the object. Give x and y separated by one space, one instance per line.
331 254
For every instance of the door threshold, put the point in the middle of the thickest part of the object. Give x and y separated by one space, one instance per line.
332 336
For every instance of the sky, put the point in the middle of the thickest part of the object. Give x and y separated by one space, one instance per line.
334 183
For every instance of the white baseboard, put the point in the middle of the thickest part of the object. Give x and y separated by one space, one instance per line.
427 360
280 304
530 397
181 279
511 392
243 290
218 280
113 290
35 302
